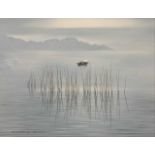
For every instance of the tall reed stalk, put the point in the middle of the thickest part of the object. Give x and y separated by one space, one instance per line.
82 88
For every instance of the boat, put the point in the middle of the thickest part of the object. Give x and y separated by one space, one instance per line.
82 63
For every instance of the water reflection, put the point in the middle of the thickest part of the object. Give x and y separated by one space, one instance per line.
87 92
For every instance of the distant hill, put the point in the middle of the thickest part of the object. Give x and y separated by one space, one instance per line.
70 44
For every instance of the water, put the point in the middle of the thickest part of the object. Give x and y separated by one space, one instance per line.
22 114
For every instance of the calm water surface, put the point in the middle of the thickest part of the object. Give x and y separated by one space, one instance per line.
24 115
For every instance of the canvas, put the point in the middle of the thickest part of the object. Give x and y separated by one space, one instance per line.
77 77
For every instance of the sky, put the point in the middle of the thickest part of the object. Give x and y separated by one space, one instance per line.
115 32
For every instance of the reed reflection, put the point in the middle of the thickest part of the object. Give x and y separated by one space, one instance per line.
82 91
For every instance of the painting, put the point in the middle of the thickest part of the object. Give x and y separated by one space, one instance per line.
77 77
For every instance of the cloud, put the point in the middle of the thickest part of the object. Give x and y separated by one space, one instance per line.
89 23
37 26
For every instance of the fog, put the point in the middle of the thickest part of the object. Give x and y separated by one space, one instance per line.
31 45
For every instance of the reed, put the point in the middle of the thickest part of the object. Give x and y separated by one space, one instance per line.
82 89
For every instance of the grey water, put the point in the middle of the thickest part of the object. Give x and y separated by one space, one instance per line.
24 114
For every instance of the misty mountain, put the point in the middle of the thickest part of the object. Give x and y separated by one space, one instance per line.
9 43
